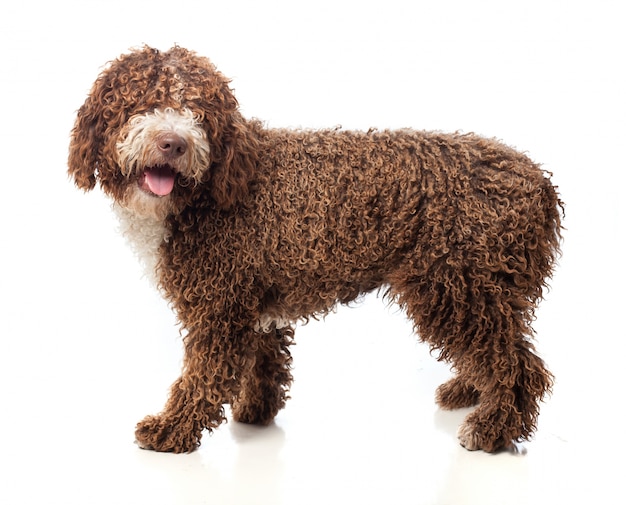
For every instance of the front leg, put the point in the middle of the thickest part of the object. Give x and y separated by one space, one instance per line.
265 377
217 300
178 428
196 399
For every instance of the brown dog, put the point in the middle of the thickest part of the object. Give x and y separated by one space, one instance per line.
249 229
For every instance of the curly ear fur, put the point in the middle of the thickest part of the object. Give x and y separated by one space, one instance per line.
230 175
234 144
84 146
108 106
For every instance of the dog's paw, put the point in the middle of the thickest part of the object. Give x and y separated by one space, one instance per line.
158 434
261 412
482 431
247 415
456 394
468 437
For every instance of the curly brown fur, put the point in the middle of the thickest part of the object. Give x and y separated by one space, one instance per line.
250 229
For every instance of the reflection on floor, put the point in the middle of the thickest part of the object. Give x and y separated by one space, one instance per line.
361 427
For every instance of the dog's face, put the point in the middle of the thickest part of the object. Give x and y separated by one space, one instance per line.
157 126
158 152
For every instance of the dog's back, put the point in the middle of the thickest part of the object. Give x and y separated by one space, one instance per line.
332 214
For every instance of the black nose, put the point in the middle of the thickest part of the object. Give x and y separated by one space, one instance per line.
171 144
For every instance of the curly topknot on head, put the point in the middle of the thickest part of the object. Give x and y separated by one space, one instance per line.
148 93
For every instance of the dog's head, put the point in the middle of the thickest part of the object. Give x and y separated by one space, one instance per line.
157 126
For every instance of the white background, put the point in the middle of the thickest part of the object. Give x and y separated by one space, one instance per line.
87 348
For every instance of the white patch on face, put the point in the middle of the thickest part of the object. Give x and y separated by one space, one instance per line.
137 151
137 147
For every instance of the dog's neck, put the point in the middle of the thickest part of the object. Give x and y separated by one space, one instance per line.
145 235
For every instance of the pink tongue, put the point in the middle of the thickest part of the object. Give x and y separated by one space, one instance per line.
160 180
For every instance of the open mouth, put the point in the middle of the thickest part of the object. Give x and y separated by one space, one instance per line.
158 180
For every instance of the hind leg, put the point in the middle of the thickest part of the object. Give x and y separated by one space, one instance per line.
511 384
266 378
479 323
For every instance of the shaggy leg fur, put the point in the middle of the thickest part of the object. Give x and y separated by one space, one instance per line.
179 427
265 379
479 322
510 399
257 375
196 399
457 393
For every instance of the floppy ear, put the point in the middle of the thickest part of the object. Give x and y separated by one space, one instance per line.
232 171
85 145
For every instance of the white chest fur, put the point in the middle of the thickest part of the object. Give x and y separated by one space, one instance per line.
145 235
